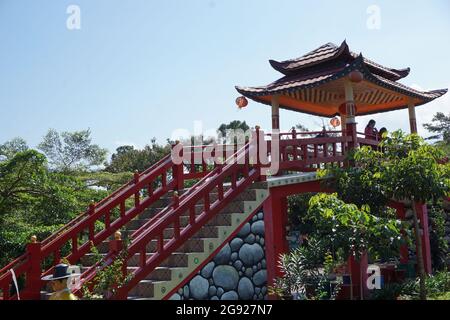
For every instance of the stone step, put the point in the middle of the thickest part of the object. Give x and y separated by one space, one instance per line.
176 259
144 288
204 232
221 219
191 245
248 195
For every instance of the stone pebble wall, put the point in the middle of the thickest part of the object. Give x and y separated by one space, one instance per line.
237 272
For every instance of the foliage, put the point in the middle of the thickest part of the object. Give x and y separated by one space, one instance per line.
129 159
438 243
36 201
411 168
227 131
352 229
303 275
10 148
407 167
107 280
437 287
443 296
105 180
299 220
301 127
15 235
72 151
392 291
440 126
360 185
21 178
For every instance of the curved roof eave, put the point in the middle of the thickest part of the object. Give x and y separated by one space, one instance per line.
290 67
358 64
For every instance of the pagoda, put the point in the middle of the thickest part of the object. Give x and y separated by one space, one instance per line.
334 81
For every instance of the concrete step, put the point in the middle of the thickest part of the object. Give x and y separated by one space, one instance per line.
176 259
144 289
191 245
248 195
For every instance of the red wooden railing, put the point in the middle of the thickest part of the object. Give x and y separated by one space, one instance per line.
193 161
368 139
311 153
239 176
298 151
157 181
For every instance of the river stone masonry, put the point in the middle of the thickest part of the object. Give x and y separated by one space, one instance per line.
237 272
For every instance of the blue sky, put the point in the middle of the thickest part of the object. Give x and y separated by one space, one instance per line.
140 69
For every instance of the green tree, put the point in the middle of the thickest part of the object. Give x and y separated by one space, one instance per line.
34 200
129 159
411 170
12 147
407 169
21 178
440 126
69 152
302 128
225 129
352 229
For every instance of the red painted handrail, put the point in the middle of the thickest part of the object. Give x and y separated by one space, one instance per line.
89 274
171 218
295 154
71 232
80 217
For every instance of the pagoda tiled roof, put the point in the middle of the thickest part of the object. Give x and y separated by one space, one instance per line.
330 52
311 81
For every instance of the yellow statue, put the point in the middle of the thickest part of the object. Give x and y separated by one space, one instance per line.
58 282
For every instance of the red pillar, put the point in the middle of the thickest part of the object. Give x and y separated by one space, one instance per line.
33 276
350 111
178 169
422 214
351 134
358 273
275 219
401 214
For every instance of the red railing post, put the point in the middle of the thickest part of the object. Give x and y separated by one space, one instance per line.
91 211
258 149
116 245
178 174
294 150
175 199
137 194
33 275
350 111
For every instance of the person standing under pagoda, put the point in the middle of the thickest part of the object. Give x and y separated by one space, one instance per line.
371 132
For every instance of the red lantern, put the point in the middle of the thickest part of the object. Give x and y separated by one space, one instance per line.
356 76
335 122
241 102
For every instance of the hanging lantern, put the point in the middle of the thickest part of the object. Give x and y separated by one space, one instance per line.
241 102
356 76
335 122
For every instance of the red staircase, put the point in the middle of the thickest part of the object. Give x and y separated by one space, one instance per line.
176 220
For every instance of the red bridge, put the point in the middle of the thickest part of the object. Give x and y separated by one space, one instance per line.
177 216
